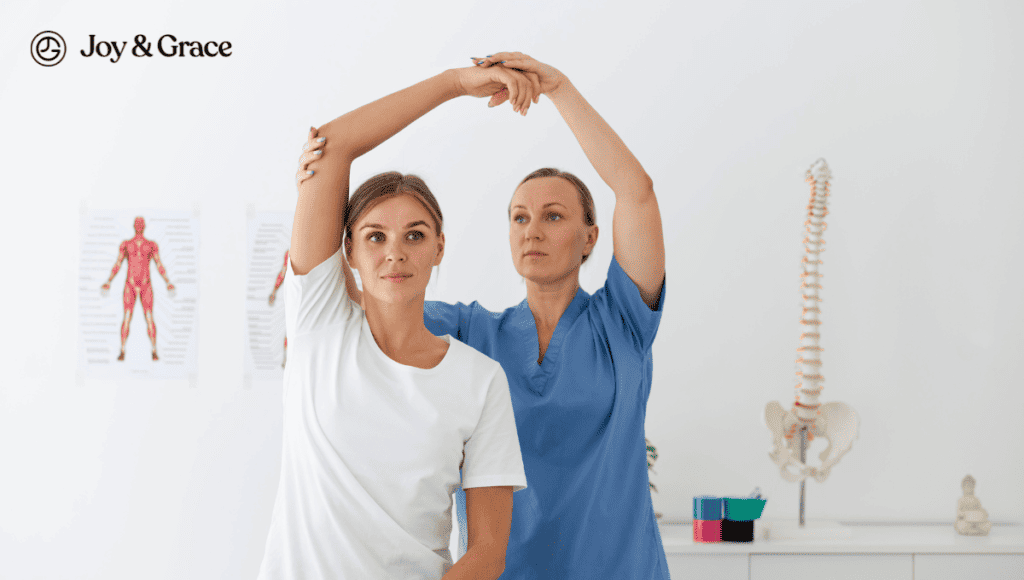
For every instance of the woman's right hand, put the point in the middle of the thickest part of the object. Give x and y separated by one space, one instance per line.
311 151
487 81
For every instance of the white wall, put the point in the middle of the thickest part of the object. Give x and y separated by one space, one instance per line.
914 105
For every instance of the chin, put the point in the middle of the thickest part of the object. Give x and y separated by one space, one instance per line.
397 295
542 274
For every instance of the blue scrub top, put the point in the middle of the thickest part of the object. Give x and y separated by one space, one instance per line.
587 512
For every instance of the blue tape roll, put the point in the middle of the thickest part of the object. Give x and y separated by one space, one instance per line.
707 507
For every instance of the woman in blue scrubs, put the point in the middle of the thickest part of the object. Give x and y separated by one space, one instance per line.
578 364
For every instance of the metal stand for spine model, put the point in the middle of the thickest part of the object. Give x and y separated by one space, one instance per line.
838 423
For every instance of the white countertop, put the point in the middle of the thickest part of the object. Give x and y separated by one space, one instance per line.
877 538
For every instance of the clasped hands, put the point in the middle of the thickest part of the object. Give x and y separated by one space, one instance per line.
503 76
509 76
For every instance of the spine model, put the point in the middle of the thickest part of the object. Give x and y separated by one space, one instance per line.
809 352
836 422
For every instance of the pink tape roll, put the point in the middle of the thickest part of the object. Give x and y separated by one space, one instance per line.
707 531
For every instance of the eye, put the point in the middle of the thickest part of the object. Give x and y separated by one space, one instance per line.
375 237
554 216
519 218
414 236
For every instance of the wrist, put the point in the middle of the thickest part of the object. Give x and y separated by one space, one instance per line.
454 80
564 89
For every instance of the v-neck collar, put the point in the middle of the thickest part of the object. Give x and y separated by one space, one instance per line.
527 326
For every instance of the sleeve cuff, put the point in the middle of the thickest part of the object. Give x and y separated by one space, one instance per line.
517 482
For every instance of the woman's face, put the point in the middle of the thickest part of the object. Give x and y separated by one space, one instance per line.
546 233
394 247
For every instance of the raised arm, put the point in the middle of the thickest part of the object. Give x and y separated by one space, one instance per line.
323 181
637 238
489 519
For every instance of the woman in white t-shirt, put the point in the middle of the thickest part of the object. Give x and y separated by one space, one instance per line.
379 414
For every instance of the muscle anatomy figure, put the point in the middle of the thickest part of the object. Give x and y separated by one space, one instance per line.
137 285
273 296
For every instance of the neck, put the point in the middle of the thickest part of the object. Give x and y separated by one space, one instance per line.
549 299
396 327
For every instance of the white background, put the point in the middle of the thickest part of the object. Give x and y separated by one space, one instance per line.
915 105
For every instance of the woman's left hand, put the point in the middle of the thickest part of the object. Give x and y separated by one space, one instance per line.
311 151
545 78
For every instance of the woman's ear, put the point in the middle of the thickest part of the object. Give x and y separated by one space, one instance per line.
592 232
440 249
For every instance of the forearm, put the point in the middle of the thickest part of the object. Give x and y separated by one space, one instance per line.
114 270
611 158
359 131
480 562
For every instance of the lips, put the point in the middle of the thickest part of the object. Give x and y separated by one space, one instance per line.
396 276
534 254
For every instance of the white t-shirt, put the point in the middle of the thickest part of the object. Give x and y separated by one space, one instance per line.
371 447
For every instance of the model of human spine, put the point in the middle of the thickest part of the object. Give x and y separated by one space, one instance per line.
835 422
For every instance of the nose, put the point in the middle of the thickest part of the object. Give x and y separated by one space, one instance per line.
532 231
395 252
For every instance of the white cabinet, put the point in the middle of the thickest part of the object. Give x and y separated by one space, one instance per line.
963 566
831 567
876 552
710 566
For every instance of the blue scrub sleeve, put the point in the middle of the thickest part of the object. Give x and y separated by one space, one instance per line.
442 318
621 298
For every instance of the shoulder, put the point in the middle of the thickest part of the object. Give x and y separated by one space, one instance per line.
623 312
470 367
471 360
619 286
462 321
436 307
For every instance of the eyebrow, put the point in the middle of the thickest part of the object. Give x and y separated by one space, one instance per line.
544 206
409 225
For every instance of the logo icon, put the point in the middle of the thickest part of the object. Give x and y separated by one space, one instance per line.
48 48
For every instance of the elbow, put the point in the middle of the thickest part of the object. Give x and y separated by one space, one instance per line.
638 188
336 140
497 567
646 187
492 557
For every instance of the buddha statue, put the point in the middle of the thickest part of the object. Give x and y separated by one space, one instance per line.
971 519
